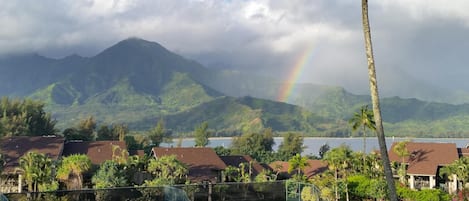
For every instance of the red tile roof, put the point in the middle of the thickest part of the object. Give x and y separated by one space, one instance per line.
425 157
203 163
12 148
463 152
235 161
140 153
314 167
97 151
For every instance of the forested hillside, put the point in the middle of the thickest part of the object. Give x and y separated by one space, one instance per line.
138 82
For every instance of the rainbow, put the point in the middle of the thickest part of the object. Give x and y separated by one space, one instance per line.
295 73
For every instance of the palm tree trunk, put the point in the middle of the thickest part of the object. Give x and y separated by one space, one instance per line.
336 185
375 102
30 186
80 183
364 146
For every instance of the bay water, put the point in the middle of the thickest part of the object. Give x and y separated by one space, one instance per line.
312 144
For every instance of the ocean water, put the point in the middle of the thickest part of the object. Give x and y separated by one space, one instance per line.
314 143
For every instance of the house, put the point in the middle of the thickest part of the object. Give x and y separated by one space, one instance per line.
424 161
203 163
13 148
314 167
139 153
97 151
252 166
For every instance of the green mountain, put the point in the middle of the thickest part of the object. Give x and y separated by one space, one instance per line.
252 114
138 82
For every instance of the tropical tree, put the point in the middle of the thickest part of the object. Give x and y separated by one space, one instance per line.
136 168
375 103
109 175
254 144
119 155
201 135
299 164
291 145
71 170
29 169
104 133
45 178
401 150
113 132
231 174
265 176
167 171
374 167
363 119
85 130
120 130
460 168
36 169
338 160
323 150
159 134
24 117
245 176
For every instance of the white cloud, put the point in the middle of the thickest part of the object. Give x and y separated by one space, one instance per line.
262 35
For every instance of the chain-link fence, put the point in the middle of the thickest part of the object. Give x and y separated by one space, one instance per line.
296 191
266 191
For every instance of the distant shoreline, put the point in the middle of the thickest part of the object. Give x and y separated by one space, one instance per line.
389 137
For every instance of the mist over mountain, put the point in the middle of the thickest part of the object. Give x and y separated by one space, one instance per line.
138 82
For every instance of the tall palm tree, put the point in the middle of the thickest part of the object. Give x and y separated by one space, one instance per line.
29 169
375 102
401 150
460 168
168 169
73 167
363 119
339 160
297 163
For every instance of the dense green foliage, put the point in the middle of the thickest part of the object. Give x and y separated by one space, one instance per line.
201 135
37 172
166 171
422 195
109 175
136 82
71 169
291 145
24 117
257 145
159 134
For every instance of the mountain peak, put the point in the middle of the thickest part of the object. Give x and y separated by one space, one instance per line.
134 46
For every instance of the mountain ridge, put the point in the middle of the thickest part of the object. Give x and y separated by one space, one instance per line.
137 82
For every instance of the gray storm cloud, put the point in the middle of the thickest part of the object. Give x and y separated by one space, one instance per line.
417 43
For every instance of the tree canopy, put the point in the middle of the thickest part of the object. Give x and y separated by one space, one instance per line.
256 145
201 135
71 170
24 117
159 134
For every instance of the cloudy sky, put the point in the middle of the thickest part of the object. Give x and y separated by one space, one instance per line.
418 43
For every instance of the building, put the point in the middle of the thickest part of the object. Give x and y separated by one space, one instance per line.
314 167
423 164
203 163
13 148
97 151
252 166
